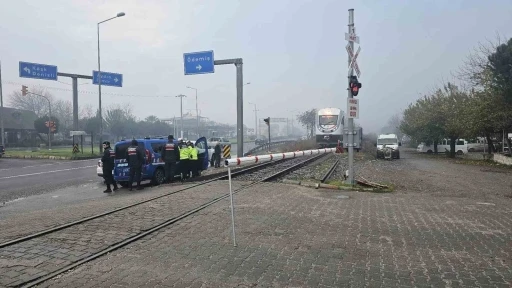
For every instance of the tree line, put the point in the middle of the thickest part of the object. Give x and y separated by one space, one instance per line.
479 105
118 120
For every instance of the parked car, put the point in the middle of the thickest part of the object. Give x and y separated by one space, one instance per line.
153 168
2 151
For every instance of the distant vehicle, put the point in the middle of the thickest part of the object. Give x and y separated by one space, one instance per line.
388 141
99 168
221 140
329 124
260 141
461 147
2 151
153 167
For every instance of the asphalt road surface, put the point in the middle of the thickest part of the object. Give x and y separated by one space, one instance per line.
20 178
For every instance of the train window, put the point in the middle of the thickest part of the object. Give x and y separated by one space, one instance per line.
328 119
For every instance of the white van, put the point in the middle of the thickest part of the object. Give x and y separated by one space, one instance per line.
461 147
390 141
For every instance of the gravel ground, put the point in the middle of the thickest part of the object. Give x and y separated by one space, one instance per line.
439 176
316 170
268 171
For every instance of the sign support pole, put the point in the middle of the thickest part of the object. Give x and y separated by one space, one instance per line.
239 101
1 108
351 30
232 207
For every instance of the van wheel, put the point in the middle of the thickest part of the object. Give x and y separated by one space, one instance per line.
159 177
124 184
460 152
429 152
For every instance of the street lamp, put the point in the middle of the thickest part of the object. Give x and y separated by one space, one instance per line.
256 131
181 111
120 14
197 113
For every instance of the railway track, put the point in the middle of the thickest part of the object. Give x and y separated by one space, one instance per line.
329 172
119 227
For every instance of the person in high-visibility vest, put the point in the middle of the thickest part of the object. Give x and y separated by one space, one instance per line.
194 163
184 161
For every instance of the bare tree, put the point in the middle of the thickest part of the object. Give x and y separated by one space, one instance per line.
30 102
86 111
474 70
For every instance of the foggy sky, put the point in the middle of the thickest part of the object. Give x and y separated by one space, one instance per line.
293 51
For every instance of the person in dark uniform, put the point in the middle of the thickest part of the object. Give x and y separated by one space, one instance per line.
170 154
108 165
218 151
135 159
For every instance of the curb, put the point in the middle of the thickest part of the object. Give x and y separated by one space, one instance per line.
50 157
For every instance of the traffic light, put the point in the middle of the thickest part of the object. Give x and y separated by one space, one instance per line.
354 85
267 120
24 90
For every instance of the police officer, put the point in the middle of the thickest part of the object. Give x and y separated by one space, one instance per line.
170 154
108 165
184 160
193 159
135 159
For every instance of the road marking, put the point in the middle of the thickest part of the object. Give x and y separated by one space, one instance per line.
46 172
48 164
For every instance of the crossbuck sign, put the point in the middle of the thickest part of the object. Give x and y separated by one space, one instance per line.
353 62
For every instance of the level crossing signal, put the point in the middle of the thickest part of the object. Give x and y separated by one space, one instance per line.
24 90
354 85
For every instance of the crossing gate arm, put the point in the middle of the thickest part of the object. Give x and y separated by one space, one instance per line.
241 161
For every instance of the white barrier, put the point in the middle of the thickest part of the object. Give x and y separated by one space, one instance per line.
276 156
261 159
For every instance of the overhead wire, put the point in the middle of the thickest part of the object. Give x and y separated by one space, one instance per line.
88 92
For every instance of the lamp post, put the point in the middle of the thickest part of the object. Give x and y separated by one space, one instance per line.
181 112
256 131
197 113
120 14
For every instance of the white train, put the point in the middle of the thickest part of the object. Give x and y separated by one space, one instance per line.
329 124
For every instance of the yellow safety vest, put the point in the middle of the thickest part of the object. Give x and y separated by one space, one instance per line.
193 153
184 154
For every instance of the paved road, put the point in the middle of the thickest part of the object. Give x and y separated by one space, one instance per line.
21 178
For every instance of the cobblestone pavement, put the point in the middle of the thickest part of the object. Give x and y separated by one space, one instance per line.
39 256
292 236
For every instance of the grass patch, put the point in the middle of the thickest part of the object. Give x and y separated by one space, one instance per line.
59 152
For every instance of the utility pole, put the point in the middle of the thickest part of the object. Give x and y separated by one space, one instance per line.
181 112
197 111
351 31
2 108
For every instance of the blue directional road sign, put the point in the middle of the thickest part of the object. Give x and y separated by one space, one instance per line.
108 79
199 62
38 71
